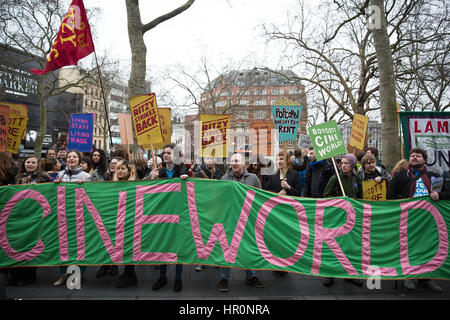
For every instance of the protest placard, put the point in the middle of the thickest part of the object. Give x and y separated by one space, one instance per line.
286 116
327 140
429 131
373 190
16 131
125 128
147 124
81 131
261 137
359 130
4 125
165 118
214 134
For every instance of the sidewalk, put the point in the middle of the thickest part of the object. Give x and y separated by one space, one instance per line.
203 286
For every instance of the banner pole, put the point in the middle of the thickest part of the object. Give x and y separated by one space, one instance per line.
338 176
104 99
153 157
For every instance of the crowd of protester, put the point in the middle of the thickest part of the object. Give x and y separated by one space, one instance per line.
296 174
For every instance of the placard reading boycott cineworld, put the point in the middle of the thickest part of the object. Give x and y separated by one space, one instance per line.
327 140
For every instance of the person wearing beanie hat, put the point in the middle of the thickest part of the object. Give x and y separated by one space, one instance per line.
351 159
350 182
352 186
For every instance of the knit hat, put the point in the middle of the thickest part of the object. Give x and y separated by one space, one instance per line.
351 159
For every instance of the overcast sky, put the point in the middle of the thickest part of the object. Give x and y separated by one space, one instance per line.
221 29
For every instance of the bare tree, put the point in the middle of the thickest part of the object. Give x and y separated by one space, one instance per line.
348 62
136 31
31 26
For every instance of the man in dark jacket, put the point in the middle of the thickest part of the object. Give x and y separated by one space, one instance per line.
209 170
318 173
415 181
169 170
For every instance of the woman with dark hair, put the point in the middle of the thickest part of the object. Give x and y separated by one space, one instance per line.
29 173
51 166
99 165
121 151
112 168
8 171
86 164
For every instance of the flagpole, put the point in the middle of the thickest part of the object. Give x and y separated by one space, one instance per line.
104 99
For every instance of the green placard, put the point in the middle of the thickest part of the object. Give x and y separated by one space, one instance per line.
327 140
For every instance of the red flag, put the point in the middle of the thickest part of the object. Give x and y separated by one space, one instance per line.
73 42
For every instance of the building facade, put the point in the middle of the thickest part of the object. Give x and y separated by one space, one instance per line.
248 96
20 86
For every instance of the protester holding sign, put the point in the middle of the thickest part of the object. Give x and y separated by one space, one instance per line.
352 188
72 173
169 170
318 173
415 181
239 173
276 183
370 171
125 171
29 173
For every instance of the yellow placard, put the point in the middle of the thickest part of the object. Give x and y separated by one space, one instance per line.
4 125
146 120
373 190
16 131
358 133
165 117
214 131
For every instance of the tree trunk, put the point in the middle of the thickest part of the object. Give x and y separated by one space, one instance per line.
388 104
136 83
43 118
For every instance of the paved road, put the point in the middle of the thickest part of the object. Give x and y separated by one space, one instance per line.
202 286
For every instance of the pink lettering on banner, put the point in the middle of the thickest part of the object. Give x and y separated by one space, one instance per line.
328 235
4 215
140 219
442 251
366 268
62 224
218 230
115 252
259 231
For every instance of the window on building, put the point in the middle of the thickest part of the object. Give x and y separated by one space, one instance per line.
259 102
242 115
277 91
259 114
243 103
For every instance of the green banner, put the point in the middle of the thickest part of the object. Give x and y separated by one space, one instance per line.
326 140
221 223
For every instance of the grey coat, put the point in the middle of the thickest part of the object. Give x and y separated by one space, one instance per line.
247 178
